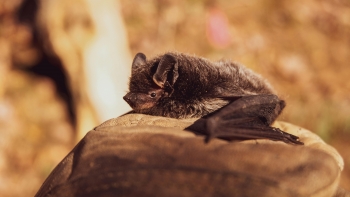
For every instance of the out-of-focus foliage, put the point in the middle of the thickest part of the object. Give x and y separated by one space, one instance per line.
34 129
35 134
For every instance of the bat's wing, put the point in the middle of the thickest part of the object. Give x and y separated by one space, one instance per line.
247 117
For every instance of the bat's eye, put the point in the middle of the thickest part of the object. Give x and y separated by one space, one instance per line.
153 94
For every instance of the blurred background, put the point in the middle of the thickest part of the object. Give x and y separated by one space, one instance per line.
64 67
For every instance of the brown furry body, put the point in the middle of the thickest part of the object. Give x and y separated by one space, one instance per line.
198 86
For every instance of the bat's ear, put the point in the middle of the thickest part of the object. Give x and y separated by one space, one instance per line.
167 71
139 60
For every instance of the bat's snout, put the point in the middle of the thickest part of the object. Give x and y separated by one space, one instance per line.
130 98
126 97
138 101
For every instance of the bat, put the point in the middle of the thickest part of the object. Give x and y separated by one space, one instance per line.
231 100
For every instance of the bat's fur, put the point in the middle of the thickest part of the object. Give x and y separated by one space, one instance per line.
200 87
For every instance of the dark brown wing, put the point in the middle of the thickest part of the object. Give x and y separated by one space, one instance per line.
247 117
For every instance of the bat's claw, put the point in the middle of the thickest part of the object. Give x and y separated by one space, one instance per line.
289 138
292 139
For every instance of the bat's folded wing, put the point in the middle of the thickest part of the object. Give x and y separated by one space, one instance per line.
229 131
246 117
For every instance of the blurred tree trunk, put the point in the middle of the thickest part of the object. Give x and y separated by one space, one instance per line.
90 39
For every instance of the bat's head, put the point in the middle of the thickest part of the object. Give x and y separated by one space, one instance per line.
151 81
